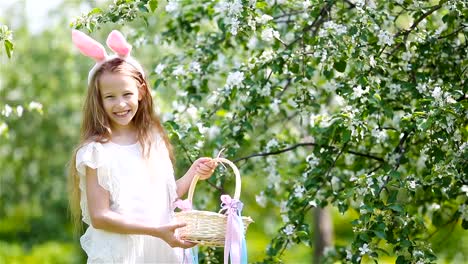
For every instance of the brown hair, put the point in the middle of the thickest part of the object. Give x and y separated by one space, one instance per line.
95 125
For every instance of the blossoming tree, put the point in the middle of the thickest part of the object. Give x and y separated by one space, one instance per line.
360 105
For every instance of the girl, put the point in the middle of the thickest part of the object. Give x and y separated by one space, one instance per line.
121 175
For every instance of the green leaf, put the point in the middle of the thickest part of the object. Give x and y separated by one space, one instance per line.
464 224
401 260
396 207
340 66
94 11
380 234
346 135
8 47
261 5
377 97
153 4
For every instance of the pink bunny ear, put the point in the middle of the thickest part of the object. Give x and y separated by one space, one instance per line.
88 46
118 44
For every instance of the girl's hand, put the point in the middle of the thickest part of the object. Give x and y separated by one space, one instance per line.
167 233
204 167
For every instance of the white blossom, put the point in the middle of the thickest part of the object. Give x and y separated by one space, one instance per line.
394 88
265 90
283 206
289 230
330 27
252 44
251 23
299 191
372 62
306 4
7 110
385 38
195 67
159 69
213 131
235 79
235 7
312 160
464 189
272 144
264 18
406 56
380 135
349 255
19 110
359 3
437 93
268 34
3 128
261 199
179 70
172 6
412 184
393 158
274 106
192 111
267 55
358 91
231 11
236 129
422 88
463 210
234 22
35 106
364 249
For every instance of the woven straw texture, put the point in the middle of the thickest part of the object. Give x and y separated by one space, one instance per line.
205 227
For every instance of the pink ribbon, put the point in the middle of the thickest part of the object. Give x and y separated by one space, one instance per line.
184 205
234 229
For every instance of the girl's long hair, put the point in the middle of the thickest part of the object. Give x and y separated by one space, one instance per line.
95 126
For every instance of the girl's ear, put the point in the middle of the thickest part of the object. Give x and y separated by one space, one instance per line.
88 46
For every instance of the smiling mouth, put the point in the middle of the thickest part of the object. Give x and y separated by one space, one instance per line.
121 114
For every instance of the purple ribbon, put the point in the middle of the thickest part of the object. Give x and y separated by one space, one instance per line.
234 229
184 205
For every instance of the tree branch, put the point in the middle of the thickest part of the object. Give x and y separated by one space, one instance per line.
335 160
316 22
264 154
398 149
406 33
453 33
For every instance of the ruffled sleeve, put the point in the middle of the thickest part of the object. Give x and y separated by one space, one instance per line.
93 155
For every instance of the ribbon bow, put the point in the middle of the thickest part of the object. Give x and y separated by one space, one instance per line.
234 244
184 205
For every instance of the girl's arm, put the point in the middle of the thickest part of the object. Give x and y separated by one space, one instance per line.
104 218
203 167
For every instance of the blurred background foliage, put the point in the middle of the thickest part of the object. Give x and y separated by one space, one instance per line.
34 152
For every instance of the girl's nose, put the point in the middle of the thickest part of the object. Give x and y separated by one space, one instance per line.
122 103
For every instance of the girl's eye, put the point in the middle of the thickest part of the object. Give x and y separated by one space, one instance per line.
128 94
109 96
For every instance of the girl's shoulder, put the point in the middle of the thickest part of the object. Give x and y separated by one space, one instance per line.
92 144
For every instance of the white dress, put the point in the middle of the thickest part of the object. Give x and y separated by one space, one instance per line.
139 188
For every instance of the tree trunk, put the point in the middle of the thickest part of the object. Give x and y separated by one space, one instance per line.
323 232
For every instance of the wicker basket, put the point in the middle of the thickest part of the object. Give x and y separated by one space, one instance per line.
204 227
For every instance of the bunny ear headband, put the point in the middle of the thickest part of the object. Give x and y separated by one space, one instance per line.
93 49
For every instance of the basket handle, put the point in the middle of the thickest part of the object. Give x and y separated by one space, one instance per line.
236 172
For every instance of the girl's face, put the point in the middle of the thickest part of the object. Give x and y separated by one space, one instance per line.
120 96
